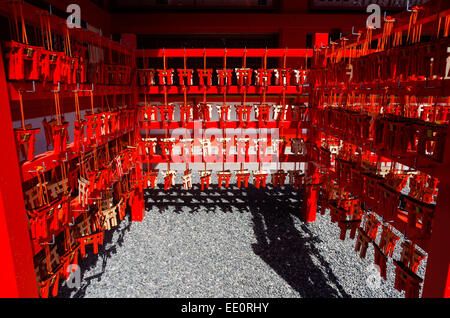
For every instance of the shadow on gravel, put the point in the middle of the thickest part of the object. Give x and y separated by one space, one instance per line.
213 200
91 260
290 252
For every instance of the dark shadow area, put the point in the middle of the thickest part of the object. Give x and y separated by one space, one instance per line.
190 201
289 250
283 242
91 259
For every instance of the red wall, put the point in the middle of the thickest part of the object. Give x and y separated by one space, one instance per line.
293 22
292 27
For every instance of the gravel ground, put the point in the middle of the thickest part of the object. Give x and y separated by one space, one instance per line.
229 243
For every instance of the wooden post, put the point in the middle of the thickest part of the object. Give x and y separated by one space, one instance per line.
311 193
437 278
17 275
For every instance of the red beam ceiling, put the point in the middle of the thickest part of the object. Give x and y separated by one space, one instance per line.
221 52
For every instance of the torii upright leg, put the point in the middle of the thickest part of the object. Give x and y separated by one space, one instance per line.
437 277
138 206
311 193
16 268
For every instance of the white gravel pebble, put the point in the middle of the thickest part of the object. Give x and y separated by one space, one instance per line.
228 243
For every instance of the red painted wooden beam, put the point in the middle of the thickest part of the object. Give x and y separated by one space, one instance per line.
437 277
322 40
17 274
232 90
228 125
230 159
221 52
231 99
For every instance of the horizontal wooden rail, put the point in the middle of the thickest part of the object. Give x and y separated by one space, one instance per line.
152 53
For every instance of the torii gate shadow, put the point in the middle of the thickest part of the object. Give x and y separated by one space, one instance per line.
105 251
288 249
